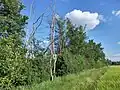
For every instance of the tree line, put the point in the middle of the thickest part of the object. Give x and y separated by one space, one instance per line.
22 65
114 62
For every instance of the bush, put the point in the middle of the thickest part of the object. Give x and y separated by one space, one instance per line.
14 69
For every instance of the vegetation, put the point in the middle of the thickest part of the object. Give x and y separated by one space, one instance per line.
110 80
95 79
86 80
24 63
14 69
115 62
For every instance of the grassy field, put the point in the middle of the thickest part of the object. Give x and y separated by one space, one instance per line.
95 79
110 80
83 81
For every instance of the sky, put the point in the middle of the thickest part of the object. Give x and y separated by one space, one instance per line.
102 18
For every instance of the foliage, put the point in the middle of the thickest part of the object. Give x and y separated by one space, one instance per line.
14 67
78 53
61 67
39 62
96 79
86 80
115 62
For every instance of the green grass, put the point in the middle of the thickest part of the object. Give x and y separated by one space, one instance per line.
111 79
95 79
86 80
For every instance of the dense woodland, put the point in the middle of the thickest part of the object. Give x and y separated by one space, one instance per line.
26 62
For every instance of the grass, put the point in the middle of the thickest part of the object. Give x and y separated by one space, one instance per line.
95 79
111 79
86 80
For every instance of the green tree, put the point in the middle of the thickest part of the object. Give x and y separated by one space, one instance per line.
14 67
72 41
78 54
94 54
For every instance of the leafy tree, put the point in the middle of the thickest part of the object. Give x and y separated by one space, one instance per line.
78 54
72 41
14 67
93 54
76 39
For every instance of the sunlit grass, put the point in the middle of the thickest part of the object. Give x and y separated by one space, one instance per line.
86 80
111 79
96 79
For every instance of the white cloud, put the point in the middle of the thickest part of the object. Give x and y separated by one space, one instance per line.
116 13
115 57
101 18
79 17
45 43
118 42
113 12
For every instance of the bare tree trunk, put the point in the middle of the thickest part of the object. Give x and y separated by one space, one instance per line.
51 71
55 60
52 45
52 27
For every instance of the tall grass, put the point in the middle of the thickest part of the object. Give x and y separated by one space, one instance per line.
111 79
86 80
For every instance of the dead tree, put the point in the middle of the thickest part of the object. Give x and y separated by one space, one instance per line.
36 25
52 28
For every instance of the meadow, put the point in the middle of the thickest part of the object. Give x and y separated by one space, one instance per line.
85 80
107 78
110 80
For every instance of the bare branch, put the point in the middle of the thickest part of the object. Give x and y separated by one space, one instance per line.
40 18
32 8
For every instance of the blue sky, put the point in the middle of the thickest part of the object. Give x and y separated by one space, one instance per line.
106 29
